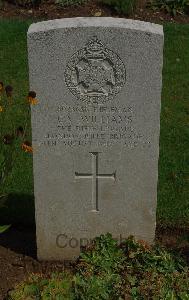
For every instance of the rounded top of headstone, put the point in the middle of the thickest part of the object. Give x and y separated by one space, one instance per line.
96 22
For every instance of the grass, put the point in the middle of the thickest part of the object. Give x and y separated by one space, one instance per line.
14 71
173 187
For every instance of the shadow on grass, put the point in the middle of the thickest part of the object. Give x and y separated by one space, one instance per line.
18 210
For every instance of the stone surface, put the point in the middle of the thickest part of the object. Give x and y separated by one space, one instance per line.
95 130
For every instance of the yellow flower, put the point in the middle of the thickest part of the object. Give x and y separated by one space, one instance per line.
1 108
27 147
32 101
32 98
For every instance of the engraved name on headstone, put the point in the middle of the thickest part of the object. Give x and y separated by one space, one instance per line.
95 130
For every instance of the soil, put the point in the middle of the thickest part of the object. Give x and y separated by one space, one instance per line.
49 10
18 259
18 254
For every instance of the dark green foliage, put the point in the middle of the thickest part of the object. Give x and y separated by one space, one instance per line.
126 7
8 141
14 72
98 272
3 199
27 3
57 287
106 271
3 228
70 2
103 255
11 138
173 187
173 7
154 273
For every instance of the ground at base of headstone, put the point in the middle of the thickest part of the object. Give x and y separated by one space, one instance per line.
18 254
49 10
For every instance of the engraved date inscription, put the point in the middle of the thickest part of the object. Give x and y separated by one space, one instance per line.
94 126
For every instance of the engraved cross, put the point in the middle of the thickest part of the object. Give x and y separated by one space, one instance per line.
95 176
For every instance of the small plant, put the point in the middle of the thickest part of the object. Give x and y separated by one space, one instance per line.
173 7
70 2
98 272
154 272
106 271
125 7
58 286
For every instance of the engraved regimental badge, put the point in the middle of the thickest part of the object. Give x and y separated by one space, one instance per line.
95 74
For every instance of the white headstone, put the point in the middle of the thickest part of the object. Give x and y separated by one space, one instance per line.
95 130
